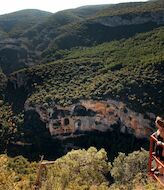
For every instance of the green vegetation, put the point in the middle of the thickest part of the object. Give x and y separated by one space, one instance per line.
127 70
90 170
16 173
89 10
6 125
82 26
134 8
126 168
14 24
128 67
43 33
10 125
80 170
3 82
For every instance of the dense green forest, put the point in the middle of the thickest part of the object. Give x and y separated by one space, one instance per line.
127 70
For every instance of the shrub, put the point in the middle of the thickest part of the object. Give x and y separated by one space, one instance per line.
126 168
16 173
79 170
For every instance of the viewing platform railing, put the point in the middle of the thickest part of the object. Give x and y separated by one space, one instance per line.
152 157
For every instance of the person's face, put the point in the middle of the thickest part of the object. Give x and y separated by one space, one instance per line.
159 126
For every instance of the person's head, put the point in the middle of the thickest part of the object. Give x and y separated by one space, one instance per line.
160 123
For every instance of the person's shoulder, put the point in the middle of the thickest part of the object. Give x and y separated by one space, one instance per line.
157 133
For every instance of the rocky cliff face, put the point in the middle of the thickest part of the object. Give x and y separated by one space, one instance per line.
16 54
18 80
87 116
132 19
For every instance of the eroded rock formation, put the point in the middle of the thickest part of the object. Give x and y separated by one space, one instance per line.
16 54
87 116
134 19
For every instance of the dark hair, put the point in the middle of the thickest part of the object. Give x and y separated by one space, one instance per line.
160 121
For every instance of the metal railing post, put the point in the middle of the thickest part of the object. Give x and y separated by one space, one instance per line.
150 156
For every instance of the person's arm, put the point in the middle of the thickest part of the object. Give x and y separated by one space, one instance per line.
160 143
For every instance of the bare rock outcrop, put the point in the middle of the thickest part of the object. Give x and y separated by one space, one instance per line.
16 54
87 116
132 19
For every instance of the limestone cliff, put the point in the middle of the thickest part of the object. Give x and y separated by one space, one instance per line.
89 115
16 54
132 19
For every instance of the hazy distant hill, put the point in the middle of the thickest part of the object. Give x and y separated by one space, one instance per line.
100 26
60 23
39 34
137 7
90 10
25 34
14 24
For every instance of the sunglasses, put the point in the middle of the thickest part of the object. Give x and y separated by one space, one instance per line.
160 123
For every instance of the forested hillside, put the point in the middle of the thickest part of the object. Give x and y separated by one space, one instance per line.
85 26
127 70
14 24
